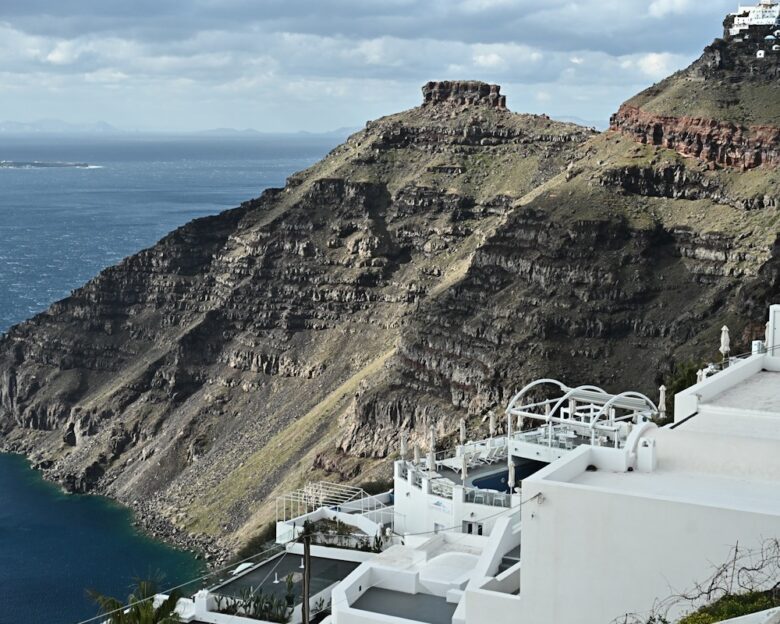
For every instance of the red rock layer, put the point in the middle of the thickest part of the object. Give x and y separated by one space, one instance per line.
707 139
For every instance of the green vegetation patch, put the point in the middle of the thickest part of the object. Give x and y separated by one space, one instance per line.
734 606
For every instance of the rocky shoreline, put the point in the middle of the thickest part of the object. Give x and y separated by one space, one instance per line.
146 517
202 546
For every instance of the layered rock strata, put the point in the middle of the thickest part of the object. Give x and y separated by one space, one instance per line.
198 378
712 141
723 109
427 268
463 93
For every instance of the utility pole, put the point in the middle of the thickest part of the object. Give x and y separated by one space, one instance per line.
306 574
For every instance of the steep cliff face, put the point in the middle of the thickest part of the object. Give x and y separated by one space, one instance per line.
720 143
608 275
426 269
199 377
722 109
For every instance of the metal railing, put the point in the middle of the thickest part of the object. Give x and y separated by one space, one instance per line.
487 497
337 496
443 489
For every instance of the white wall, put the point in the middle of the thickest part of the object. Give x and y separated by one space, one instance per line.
774 332
486 607
686 403
590 556
418 511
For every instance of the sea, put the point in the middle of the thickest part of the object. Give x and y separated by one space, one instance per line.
70 207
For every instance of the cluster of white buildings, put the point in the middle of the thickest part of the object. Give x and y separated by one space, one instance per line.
765 13
757 25
583 511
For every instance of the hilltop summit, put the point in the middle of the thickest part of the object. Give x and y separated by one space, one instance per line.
724 108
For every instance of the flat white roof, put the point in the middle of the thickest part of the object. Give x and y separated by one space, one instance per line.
759 393
700 489
749 409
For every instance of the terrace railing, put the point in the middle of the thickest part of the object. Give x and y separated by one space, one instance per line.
487 497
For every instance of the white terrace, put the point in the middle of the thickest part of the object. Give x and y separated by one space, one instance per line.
460 489
369 514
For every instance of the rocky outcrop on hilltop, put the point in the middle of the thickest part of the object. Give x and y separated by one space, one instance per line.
463 93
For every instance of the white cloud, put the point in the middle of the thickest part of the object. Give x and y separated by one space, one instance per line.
106 76
290 62
491 60
662 8
659 65
477 6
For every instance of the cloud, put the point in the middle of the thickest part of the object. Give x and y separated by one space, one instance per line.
662 8
655 65
327 63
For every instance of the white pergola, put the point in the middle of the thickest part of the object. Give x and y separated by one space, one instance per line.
588 410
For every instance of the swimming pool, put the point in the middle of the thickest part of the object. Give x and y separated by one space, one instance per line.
498 480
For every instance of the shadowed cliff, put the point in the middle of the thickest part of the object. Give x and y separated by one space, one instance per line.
437 261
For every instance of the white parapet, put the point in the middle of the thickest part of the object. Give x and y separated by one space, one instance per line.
773 332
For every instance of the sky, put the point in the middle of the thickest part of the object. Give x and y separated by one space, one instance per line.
318 65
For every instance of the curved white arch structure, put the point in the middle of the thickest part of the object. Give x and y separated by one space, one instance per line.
570 394
625 395
534 384
585 414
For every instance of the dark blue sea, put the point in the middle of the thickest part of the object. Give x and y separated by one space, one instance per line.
60 225
69 208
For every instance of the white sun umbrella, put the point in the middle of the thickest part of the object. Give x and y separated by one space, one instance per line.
432 450
662 401
462 431
403 445
416 454
510 464
464 468
725 342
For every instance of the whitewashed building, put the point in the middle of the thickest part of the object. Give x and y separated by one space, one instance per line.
765 13
585 512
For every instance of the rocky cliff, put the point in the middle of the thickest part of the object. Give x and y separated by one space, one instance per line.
423 271
200 377
722 110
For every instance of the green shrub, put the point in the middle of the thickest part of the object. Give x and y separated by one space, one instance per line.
376 486
733 606
258 543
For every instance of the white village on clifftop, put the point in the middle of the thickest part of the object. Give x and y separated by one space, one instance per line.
757 25
590 507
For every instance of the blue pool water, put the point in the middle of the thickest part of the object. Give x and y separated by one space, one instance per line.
59 226
498 481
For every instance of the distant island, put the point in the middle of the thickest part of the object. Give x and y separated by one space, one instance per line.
102 129
10 164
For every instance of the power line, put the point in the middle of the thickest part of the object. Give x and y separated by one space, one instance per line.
185 584
237 563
